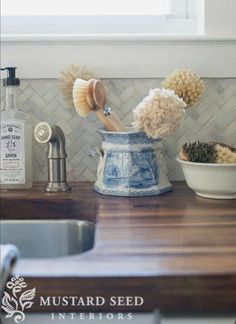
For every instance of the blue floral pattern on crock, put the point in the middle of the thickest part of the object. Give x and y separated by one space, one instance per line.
131 169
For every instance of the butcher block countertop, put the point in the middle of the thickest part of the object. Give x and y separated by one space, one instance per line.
177 251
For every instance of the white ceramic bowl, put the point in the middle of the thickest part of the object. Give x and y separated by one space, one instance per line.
211 180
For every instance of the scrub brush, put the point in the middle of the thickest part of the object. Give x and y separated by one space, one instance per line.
225 153
212 152
200 152
67 79
91 96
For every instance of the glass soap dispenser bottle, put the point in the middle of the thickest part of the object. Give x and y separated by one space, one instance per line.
16 139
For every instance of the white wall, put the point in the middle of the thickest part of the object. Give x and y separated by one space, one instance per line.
220 17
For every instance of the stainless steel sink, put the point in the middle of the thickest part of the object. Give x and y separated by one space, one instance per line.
48 238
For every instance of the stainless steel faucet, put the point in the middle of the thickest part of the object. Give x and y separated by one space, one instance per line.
54 136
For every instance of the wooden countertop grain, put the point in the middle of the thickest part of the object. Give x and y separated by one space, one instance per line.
176 250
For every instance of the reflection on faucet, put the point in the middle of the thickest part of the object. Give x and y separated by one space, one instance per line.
54 136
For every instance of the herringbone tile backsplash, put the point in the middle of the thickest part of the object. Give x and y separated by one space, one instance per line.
213 118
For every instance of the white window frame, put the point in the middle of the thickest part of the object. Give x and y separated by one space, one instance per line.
183 9
23 28
136 55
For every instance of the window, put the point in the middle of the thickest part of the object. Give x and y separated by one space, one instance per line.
125 45
75 7
109 17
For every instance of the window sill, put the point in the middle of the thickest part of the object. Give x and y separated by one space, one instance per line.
76 38
120 56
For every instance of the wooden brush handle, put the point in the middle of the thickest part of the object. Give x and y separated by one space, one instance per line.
97 98
112 122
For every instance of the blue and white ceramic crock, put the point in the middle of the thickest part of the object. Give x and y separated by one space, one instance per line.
131 164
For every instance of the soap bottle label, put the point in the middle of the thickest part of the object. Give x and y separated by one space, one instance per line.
12 152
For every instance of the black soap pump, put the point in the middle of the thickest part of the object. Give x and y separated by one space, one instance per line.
16 138
11 79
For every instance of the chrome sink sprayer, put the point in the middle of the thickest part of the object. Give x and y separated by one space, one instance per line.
54 136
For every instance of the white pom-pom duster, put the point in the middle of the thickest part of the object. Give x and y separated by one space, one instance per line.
159 114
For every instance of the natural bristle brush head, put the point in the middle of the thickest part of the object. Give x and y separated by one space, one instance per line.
80 97
200 152
67 78
89 96
225 153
